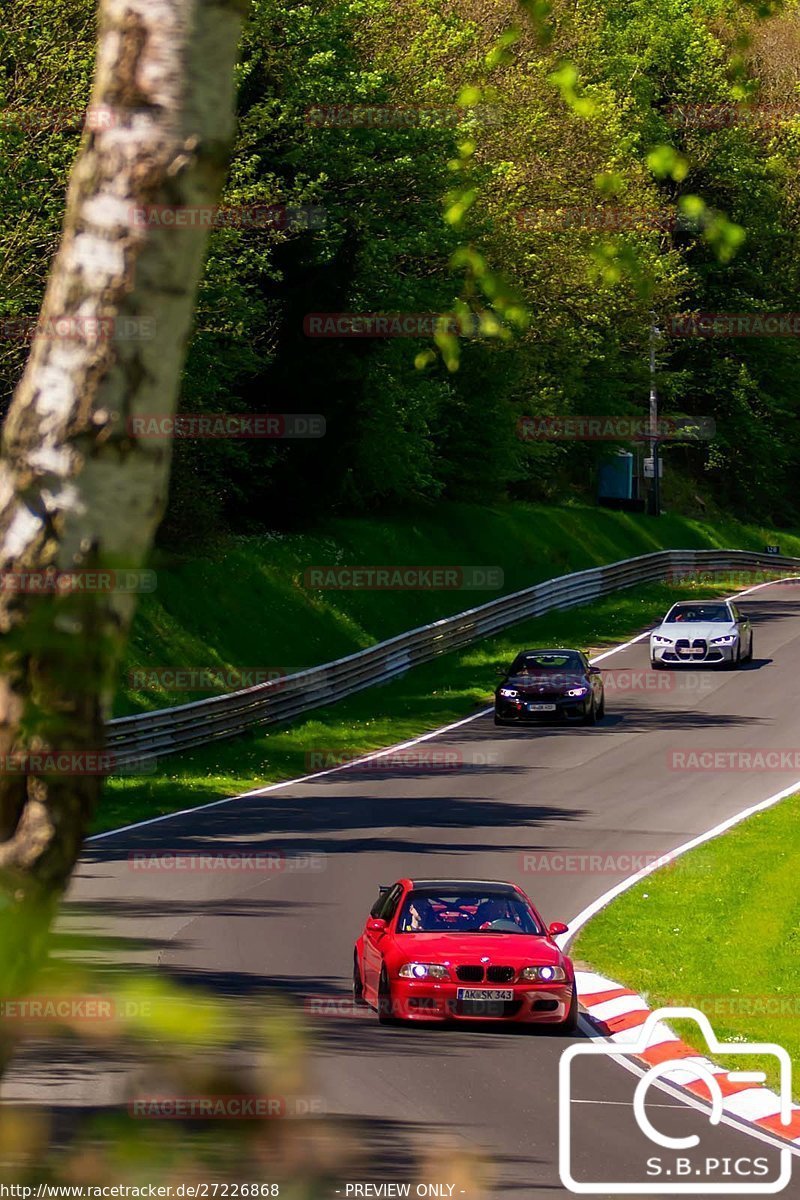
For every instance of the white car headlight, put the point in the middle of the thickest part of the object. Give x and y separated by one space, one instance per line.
508 692
727 640
580 691
543 974
660 640
415 970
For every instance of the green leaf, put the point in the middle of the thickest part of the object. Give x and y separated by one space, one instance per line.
469 96
666 162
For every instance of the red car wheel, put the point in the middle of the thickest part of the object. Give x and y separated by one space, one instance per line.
358 986
385 1002
570 1022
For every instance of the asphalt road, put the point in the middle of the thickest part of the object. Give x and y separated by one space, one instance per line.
506 794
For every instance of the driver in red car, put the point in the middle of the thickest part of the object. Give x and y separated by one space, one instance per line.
489 911
421 917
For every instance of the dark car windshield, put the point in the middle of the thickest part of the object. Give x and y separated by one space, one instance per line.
547 664
466 912
698 612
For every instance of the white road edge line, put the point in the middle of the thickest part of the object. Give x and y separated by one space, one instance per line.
592 909
424 737
284 783
596 906
583 917
685 1098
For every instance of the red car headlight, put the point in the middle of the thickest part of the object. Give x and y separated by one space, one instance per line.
417 970
543 974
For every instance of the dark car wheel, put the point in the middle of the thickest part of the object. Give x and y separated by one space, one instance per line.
499 720
385 1004
358 986
601 712
590 717
656 664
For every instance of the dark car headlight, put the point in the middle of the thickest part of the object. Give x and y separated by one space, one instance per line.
509 693
578 691
418 970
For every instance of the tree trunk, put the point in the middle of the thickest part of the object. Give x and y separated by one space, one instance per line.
78 490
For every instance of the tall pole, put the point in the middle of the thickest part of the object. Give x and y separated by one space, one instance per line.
656 490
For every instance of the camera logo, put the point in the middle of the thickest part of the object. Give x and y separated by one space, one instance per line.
678 1171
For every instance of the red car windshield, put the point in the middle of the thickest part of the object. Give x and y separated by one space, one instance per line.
466 912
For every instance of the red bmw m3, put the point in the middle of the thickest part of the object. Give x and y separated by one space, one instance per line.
442 950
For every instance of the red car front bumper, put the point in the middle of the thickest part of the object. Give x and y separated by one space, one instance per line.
438 1000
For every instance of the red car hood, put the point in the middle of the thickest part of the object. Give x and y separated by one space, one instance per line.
502 949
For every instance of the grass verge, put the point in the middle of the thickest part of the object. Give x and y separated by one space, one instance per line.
428 697
718 930
247 606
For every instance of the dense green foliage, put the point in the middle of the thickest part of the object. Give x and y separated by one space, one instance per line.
571 112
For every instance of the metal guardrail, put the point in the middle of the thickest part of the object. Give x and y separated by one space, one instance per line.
168 731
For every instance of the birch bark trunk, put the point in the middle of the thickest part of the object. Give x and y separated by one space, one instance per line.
78 491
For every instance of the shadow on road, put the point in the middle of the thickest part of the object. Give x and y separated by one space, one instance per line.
330 822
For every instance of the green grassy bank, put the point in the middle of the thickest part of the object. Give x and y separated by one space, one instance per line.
718 930
248 606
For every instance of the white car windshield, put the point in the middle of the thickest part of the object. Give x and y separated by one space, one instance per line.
698 613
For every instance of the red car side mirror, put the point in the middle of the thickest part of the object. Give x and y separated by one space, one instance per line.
556 928
376 925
